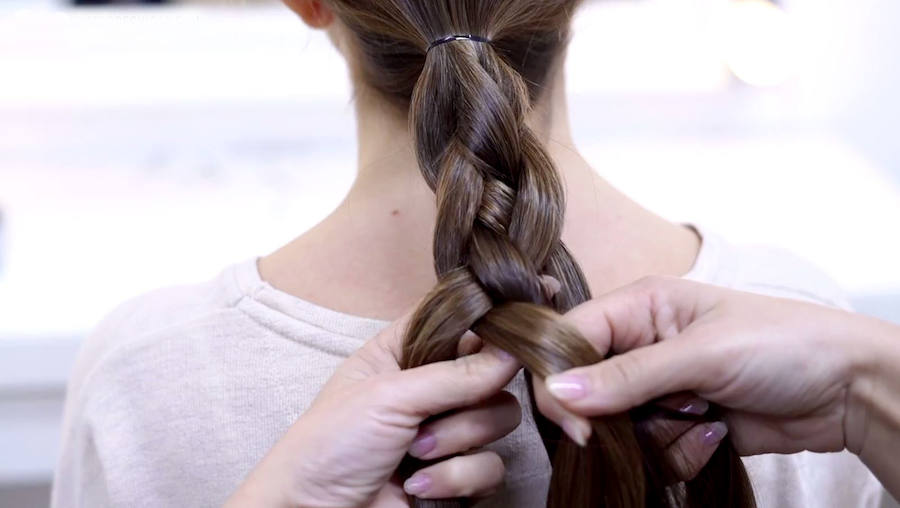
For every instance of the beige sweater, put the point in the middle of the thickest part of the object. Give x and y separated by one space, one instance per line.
179 393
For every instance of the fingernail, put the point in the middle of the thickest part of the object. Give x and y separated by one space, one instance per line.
551 285
567 386
697 407
504 355
424 444
577 430
469 344
417 484
715 433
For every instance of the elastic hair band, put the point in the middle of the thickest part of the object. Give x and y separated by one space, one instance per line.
460 37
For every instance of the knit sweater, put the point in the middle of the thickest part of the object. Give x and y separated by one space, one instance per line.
178 394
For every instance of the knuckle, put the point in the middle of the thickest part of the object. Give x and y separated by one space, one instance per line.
624 371
651 282
470 366
453 473
380 390
473 475
470 432
495 464
656 286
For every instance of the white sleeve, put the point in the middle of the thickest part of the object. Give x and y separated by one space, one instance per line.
80 480
832 480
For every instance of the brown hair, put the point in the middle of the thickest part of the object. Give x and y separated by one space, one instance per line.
500 208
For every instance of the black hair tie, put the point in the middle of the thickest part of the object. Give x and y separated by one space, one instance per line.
459 37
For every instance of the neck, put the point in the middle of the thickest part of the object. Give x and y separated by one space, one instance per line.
373 256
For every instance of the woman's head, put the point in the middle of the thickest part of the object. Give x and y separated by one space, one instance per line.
387 40
500 210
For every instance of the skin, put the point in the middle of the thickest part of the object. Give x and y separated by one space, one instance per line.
345 449
750 355
350 264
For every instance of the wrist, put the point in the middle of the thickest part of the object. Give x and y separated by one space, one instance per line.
310 482
274 481
261 489
873 350
878 403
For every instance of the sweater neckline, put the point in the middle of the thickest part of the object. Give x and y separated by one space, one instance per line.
250 284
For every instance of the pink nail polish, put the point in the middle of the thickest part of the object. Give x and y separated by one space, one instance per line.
504 355
424 444
697 407
417 484
567 386
715 433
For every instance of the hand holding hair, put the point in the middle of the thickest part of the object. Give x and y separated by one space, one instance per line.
789 376
345 449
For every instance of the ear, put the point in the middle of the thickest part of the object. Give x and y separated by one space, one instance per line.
314 12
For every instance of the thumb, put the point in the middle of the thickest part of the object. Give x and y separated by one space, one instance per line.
632 379
439 387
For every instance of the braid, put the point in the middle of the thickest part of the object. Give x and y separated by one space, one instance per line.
500 209
500 212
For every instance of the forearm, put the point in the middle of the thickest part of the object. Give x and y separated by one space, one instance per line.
873 412
269 484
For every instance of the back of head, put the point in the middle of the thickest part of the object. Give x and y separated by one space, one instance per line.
470 71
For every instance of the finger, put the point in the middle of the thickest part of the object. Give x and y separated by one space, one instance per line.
578 428
390 496
439 387
469 344
685 403
390 339
690 452
665 431
477 475
641 313
469 428
551 286
634 378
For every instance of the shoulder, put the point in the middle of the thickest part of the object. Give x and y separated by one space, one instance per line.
148 365
161 312
765 269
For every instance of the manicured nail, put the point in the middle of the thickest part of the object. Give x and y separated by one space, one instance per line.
469 344
417 484
697 407
505 356
552 286
567 386
577 430
715 433
424 444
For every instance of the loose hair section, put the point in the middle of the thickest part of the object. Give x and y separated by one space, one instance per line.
500 212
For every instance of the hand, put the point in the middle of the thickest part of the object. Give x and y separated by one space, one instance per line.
344 451
686 445
782 369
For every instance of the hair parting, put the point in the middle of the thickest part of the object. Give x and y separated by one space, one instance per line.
500 212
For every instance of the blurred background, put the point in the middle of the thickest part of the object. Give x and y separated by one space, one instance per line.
149 144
